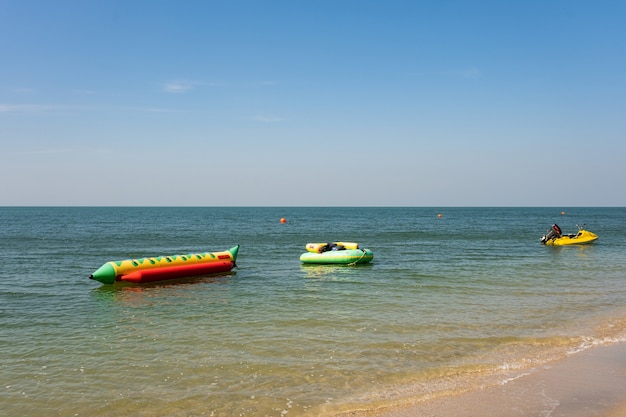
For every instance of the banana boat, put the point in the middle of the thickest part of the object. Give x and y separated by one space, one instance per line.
162 268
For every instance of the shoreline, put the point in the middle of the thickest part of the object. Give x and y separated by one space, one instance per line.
584 384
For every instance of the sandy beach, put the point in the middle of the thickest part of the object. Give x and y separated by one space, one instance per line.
585 384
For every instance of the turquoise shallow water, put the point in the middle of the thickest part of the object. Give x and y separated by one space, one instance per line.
448 303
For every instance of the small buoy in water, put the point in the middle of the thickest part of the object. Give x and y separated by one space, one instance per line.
562 213
283 220
439 216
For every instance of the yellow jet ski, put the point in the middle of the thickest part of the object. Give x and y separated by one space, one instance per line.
554 237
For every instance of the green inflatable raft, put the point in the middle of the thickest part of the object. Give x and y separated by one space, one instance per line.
336 253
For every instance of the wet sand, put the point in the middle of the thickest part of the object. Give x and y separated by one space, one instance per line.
586 384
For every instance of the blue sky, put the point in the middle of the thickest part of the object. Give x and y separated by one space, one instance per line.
313 103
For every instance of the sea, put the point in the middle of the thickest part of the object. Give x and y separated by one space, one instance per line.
456 298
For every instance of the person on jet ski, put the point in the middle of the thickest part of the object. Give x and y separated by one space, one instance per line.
553 233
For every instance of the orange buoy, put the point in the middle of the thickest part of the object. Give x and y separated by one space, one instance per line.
283 220
562 213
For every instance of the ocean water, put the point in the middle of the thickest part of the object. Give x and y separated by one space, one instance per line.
449 303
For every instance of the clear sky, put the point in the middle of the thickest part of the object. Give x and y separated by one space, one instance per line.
313 103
